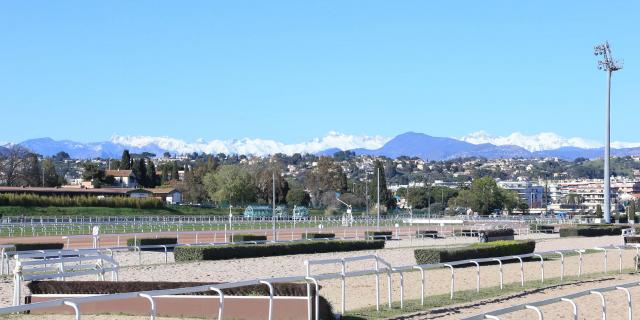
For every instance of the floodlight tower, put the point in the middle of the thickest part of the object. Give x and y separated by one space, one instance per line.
609 65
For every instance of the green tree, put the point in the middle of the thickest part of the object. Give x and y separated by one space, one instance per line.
298 197
264 186
32 172
484 196
140 171
175 175
231 184
631 211
125 161
51 177
599 212
152 178
386 196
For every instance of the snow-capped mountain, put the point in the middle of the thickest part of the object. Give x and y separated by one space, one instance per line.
412 144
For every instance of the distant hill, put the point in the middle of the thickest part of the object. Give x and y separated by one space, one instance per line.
410 144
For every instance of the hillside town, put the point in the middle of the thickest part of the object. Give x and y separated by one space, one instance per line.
542 185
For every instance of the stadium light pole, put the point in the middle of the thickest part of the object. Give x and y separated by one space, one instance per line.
378 186
609 65
273 209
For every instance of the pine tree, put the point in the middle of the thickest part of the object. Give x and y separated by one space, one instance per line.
125 162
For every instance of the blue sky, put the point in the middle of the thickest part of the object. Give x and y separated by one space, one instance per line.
295 70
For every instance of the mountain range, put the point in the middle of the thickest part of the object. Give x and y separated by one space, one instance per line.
410 144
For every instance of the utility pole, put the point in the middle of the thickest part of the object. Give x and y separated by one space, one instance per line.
273 209
609 65
378 185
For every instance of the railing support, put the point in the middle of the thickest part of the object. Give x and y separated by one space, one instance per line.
151 302
604 303
574 307
629 307
221 303
541 266
75 307
270 317
501 276
453 280
537 310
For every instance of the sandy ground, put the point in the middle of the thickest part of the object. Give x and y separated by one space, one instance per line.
361 290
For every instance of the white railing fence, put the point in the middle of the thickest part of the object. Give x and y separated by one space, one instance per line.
572 309
41 266
380 266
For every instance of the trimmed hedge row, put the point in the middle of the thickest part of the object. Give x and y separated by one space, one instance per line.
151 242
319 236
426 233
496 235
225 252
373 235
246 237
38 246
542 227
591 231
109 287
475 251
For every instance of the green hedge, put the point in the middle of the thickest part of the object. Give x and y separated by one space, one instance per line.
498 233
225 252
246 237
426 233
38 246
374 235
319 236
33 200
542 227
475 251
151 242
591 231
113 287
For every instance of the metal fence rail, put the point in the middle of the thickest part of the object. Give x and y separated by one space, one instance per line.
573 306
380 266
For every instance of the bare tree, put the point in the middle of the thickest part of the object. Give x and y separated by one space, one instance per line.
12 165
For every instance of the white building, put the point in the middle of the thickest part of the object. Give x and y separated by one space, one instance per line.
531 194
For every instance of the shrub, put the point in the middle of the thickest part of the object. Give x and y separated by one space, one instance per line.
542 228
632 239
591 231
246 237
426 233
33 200
319 236
498 233
371 235
237 251
475 251
151 242
109 287
38 246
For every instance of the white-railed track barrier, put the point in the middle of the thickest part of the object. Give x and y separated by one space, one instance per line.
379 267
60 265
573 307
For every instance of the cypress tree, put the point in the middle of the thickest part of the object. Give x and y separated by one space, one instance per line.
152 180
125 162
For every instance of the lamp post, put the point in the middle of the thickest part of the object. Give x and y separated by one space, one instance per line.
230 216
273 210
609 65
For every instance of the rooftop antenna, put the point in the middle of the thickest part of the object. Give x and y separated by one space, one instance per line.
609 65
